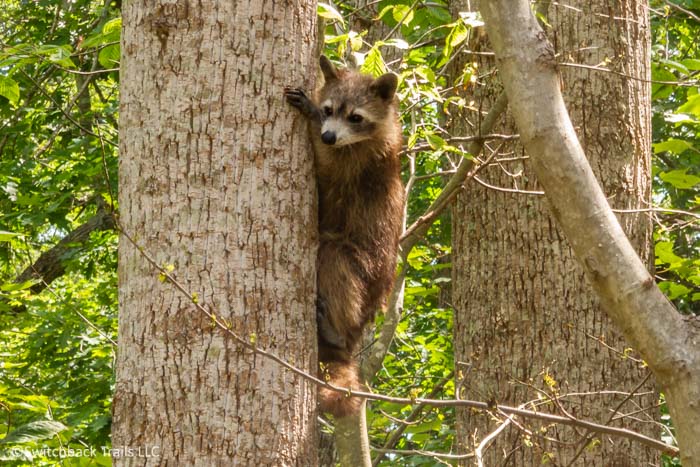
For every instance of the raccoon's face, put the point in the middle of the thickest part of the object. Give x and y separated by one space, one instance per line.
345 123
354 107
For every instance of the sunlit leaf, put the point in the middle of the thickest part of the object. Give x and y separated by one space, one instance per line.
328 11
680 179
9 89
34 431
676 146
402 13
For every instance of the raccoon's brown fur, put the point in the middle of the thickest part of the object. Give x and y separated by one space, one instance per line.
356 134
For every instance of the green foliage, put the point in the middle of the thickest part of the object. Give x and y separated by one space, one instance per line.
58 114
676 162
58 129
676 169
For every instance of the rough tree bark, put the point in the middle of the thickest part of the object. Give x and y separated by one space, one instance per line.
667 341
525 315
216 180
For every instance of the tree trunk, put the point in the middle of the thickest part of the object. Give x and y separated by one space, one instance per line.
216 180
525 316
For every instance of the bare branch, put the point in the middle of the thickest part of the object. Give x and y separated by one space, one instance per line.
49 266
687 83
461 139
683 10
506 190
484 444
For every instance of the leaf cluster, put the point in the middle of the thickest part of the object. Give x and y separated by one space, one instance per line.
676 162
58 129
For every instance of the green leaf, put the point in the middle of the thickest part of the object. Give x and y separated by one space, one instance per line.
61 56
33 431
6 236
675 65
398 43
109 56
112 26
676 146
680 179
435 141
692 106
422 291
355 41
456 36
691 63
673 290
665 255
111 32
402 14
439 14
333 39
14 286
658 73
329 12
384 11
374 63
9 89
58 54
678 118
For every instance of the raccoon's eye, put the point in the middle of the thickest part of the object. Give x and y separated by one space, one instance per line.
328 110
355 118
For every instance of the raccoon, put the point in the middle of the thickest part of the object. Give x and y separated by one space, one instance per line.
356 134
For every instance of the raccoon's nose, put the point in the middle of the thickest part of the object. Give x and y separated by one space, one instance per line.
328 137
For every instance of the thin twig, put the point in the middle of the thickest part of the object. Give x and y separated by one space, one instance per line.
683 10
688 83
484 444
507 190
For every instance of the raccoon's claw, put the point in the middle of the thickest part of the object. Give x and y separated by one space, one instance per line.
294 94
297 98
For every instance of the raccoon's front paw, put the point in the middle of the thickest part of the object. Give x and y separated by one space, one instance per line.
297 98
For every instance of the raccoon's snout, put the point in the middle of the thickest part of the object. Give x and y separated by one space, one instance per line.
328 137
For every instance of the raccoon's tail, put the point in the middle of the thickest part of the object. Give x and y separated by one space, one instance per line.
342 374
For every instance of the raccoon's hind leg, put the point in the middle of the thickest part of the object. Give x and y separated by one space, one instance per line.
326 333
341 292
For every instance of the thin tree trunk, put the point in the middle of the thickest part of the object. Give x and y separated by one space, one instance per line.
351 440
525 316
216 180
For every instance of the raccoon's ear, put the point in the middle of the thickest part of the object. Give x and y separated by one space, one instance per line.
329 71
385 86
